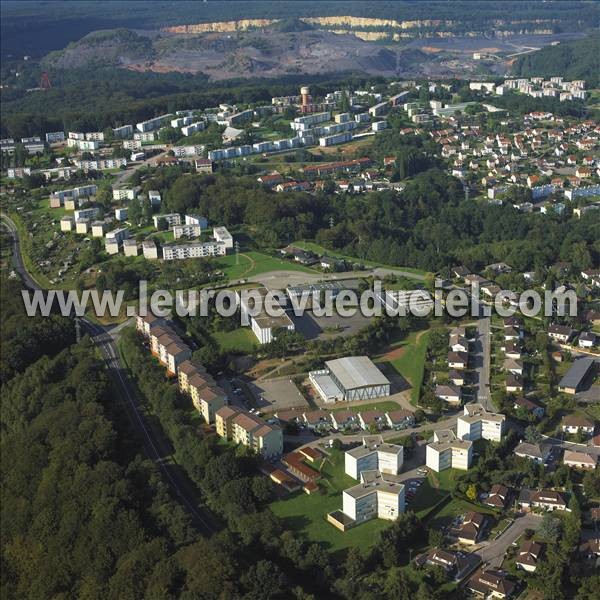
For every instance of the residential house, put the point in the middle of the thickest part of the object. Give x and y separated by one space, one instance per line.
528 556
397 419
544 499
456 377
471 528
371 418
497 497
514 383
587 339
490 584
579 460
536 452
317 419
531 406
577 423
449 393
560 333
458 360
343 419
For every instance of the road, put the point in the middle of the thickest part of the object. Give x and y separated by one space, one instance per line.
157 446
482 357
493 551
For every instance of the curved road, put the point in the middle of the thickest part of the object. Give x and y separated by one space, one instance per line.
157 447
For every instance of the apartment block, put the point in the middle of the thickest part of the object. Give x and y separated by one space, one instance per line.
448 452
197 250
243 428
476 423
374 455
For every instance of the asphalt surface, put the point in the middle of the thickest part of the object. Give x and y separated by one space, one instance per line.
157 446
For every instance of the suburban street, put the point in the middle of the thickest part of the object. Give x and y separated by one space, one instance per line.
493 551
482 358
156 445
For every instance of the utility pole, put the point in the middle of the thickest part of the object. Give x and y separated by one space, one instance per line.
331 222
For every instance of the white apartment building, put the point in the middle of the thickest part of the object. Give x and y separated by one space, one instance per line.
186 151
447 451
96 136
376 496
98 229
118 235
154 197
111 245
81 226
55 136
130 247
190 231
85 213
84 191
152 124
121 194
120 214
83 145
476 423
146 136
264 326
196 220
149 250
374 455
172 219
123 132
66 223
221 234
132 144
197 250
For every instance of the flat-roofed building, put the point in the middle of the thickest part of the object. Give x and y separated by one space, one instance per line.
356 378
373 455
221 234
172 219
130 247
98 229
82 226
150 250
265 327
189 231
66 223
477 423
448 452
145 324
378 495
192 250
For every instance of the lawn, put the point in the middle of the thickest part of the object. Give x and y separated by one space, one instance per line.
312 246
307 515
455 508
256 263
426 498
239 340
411 362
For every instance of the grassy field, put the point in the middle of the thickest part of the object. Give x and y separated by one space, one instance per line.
239 340
256 263
411 362
322 250
307 515
455 508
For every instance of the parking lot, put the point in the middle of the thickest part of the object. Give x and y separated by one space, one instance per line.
312 327
273 395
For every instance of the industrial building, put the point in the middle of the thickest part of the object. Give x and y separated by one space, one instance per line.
576 377
350 378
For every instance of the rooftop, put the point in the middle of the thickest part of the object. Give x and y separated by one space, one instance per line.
356 372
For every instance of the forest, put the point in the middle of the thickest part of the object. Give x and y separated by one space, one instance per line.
430 225
572 60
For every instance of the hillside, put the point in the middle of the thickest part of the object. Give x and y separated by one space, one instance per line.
573 60
110 47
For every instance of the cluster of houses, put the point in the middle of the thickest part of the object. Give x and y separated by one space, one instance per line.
458 361
512 348
322 421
